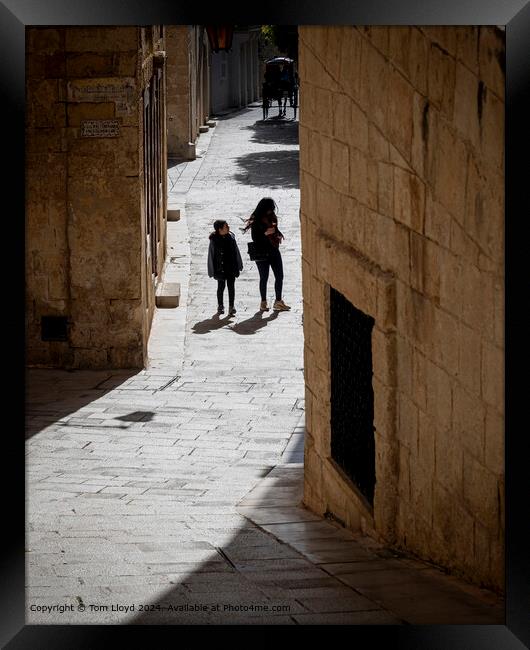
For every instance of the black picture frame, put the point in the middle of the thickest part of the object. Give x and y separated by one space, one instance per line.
515 16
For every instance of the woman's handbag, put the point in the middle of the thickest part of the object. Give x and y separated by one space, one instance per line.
256 254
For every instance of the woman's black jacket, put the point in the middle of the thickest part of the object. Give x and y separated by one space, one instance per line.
263 241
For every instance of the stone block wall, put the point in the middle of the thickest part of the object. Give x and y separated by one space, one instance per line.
188 79
180 136
402 208
84 229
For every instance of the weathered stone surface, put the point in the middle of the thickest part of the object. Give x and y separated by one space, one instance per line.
399 113
101 39
45 110
450 172
443 36
398 48
492 59
84 194
467 47
484 212
45 40
439 395
90 65
340 168
420 134
441 80
469 415
477 300
418 60
468 105
492 130
469 357
481 492
407 430
449 461
379 240
353 222
494 441
492 375
384 356
359 176
374 89
409 199
437 222
379 35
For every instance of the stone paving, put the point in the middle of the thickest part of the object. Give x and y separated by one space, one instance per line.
173 495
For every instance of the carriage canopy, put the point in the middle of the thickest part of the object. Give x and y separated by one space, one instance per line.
280 84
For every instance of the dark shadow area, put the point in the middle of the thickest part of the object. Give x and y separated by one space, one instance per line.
136 416
294 452
274 131
271 169
53 395
257 579
254 323
175 162
210 324
228 115
230 573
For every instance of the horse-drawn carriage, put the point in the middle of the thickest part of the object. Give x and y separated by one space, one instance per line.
280 84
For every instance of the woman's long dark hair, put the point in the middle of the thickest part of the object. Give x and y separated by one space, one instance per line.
217 225
260 210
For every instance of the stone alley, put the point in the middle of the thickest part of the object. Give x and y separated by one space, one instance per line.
173 495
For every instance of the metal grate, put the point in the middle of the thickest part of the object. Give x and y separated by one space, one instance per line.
352 396
54 328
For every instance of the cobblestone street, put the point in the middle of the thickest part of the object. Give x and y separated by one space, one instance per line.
172 495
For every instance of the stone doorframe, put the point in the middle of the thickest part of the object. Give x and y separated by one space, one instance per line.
373 291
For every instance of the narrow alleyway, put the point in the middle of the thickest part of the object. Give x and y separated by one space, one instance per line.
172 495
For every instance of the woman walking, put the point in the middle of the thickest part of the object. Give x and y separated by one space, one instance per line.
263 224
224 263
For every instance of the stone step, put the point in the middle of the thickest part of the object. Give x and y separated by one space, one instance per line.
167 294
211 123
173 214
204 129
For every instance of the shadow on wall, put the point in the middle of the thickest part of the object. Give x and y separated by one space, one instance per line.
273 169
274 132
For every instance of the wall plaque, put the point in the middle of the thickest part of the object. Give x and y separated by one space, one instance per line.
100 128
120 91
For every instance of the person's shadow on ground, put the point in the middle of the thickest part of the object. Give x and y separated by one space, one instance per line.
213 323
254 323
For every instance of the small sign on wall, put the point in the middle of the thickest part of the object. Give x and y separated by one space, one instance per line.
100 128
118 90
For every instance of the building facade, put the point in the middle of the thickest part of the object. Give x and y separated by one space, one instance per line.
95 193
402 208
188 87
236 75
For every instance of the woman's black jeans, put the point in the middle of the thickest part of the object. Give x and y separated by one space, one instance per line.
230 283
275 263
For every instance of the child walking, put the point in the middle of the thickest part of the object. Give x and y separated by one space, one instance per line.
224 263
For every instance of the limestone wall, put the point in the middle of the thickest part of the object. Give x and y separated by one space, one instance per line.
84 228
180 139
402 195
188 96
